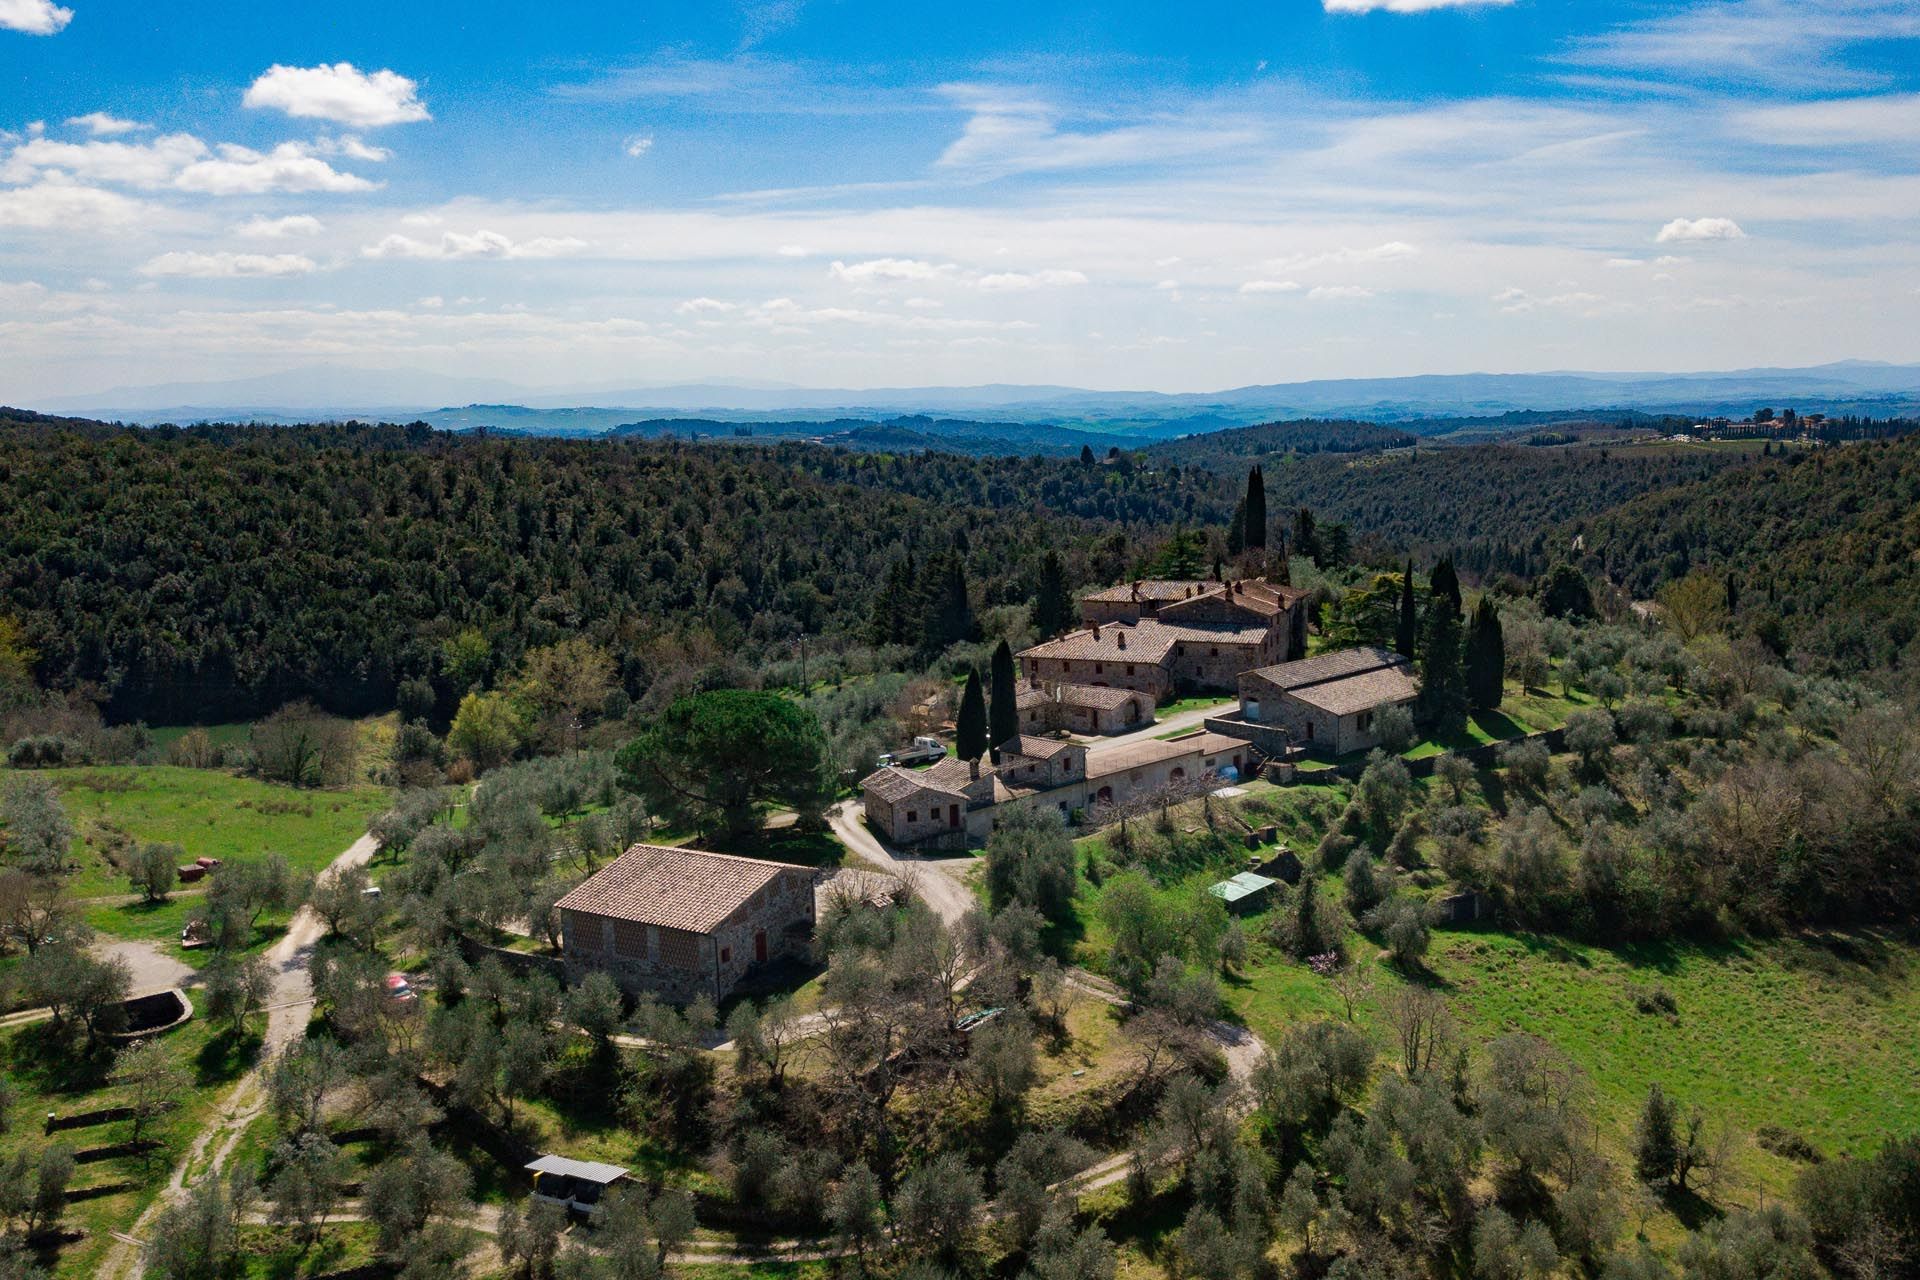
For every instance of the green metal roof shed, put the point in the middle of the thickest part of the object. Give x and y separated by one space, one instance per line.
1243 892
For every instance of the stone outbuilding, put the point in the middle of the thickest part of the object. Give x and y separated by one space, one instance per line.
1083 708
684 923
1329 703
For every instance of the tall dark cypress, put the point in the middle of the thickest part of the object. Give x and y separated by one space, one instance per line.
1237 529
1443 685
1256 502
1406 635
1003 713
1306 540
1446 583
948 613
1053 603
1486 658
970 733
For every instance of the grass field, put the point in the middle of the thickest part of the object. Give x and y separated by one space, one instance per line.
69 1085
1813 1035
209 813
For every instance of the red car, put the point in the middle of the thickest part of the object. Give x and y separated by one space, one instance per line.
399 991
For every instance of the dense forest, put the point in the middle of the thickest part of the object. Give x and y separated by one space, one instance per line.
1494 508
217 572
1826 540
1310 435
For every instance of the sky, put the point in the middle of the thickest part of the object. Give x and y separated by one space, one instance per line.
1135 196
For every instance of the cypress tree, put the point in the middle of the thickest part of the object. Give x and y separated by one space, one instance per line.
1237 530
1445 582
948 613
1406 635
1443 685
1053 604
1305 540
970 735
1003 716
1656 1140
1255 525
1486 658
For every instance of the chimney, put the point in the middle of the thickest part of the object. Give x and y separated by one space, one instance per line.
1096 631
973 769
1136 589
1122 638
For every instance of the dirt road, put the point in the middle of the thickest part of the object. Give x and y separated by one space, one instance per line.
940 882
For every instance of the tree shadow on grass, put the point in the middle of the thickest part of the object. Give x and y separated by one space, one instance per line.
226 1057
1692 1209
291 1261
1498 725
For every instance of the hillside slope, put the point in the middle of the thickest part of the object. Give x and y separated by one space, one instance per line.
1827 542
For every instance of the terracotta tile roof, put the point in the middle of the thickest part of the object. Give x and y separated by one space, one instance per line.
687 889
1160 589
893 784
953 774
1078 695
1328 666
1367 691
1034 748
1146 641
1136 755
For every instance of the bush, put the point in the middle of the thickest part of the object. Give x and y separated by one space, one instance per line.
48 751
1393 725
1527 762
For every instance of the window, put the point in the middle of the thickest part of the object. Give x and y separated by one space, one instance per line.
1099 668
913 815
1129 668
726 954
1216 651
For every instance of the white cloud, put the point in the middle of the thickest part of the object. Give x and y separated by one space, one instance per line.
35 17
65 206
290 166
150 165
1625 264
1690 230
891 271
341 93
299 224
183 162
1006 281
1890 117
352 146
1744 40
1011 133
1392 251
1270 286
925 304
454 245
432 302
704 306
102 125
228 266
794 251
638 145
1405 6
1337 292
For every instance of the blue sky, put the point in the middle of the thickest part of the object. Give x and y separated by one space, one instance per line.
846 193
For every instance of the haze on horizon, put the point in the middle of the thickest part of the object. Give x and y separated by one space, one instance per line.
854 194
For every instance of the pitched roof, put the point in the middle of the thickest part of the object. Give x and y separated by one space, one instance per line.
1329 666
892 783
687 889
585 1170
1034 748
1135 755
1363 692
1099 697
953 775
1161 589
1245 885
1144 641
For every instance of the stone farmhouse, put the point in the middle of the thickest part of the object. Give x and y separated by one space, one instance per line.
684 923
1082 708
1158 638
954 802
1329 703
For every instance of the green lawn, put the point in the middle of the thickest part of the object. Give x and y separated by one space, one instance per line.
70 1084
221 735
209 813
1816 1036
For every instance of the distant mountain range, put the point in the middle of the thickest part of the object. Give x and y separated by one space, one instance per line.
327 391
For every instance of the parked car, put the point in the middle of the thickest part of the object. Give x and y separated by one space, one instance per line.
400 991
923 751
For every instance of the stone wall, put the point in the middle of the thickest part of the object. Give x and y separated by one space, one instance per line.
679 966
1145 677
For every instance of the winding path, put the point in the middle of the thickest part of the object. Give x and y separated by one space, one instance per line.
291 1006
